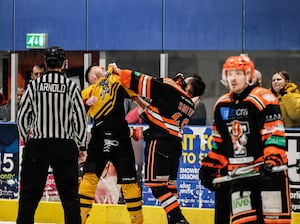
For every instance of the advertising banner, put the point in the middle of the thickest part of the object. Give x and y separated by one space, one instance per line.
197 142
9 160
293 145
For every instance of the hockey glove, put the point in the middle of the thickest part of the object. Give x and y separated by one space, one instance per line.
271 161
206 176
210 169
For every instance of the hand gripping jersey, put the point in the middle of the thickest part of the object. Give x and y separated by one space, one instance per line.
247 128
109 108
170 108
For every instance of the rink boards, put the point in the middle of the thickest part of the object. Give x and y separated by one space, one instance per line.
196 201
51 212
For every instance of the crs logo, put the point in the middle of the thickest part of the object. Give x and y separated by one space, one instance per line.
228 113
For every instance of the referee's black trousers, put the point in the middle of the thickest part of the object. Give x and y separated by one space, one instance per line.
38 155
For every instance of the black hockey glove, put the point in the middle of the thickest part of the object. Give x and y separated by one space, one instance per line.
270 162
206 176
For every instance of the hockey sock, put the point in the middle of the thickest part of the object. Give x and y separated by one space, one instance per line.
173 188
169 202
133 199
86 194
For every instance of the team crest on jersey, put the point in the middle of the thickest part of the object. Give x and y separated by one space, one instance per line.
238 131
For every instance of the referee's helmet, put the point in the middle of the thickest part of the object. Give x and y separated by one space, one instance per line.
54 57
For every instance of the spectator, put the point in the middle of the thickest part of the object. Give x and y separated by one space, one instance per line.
37 71
288 95
5 106
3 101
169 110
248 130
195 87
4 109
51 122
258 77
20 92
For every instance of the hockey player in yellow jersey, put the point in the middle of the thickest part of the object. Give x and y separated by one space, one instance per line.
109 141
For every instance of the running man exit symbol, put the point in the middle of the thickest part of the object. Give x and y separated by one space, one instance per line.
36 40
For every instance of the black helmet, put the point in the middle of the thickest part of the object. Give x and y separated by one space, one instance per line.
54 57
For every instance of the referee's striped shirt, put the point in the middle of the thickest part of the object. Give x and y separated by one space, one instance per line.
51 107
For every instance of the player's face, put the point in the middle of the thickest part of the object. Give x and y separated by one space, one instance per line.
237 80
188 85
95 73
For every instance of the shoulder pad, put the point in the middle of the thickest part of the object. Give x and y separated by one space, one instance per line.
224 98
261 97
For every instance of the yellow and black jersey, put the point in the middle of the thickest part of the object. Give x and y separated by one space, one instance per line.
170 108
109 108
247 128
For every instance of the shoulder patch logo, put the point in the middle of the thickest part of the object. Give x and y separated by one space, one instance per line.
268 96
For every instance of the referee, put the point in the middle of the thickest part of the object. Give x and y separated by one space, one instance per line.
52 124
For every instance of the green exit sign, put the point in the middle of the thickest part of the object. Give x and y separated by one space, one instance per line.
37 40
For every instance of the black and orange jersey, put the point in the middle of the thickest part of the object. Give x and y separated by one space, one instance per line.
170 108
247 127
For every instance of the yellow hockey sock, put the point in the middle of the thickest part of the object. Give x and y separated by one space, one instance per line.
133 198
87 190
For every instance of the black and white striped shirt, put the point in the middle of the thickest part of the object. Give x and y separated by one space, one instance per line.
51 107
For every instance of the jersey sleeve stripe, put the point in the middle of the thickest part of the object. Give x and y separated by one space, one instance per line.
256 101
167 124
